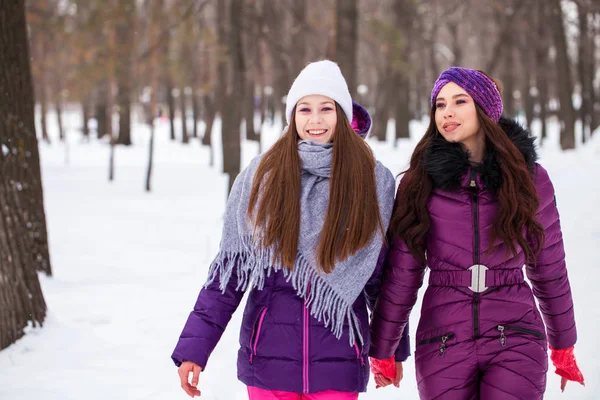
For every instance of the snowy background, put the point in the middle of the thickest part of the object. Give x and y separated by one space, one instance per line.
128 266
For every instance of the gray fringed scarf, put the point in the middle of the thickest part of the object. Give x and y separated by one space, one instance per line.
329 296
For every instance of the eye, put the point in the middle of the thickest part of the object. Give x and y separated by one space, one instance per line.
439 105
304 109
461 101
327 109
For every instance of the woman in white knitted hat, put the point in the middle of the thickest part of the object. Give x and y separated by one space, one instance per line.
303 233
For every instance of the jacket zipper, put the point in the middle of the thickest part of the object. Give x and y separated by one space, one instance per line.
358 350
305 347
444 339
256 335
503 328
474 197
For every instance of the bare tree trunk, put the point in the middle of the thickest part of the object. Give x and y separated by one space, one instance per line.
232 115
170 104
595 99
110 99
43 89
195 112
125 35
101 113
249 112
298 38
508 79
541 63
404 14
85 109
182 104
381 115
585 77
565 85
58 106
402 110
346 40
21 298
280 55
457 44
156 13
210 114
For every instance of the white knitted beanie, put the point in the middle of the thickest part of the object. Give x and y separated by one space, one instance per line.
324 78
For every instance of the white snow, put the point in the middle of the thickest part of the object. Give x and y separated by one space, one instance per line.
128 266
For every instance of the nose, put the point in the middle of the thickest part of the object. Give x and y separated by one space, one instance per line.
448 112
315 117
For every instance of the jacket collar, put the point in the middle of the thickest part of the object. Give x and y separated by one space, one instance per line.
448 163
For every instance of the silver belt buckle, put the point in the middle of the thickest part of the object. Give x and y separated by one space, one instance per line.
478 272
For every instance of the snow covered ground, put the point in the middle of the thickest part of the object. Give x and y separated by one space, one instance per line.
128 265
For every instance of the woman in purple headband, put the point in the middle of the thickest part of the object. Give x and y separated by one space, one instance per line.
475 207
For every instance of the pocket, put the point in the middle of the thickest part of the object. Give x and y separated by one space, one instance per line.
504 328
442 340
255 335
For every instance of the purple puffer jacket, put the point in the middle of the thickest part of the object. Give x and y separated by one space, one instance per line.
282 347
489 344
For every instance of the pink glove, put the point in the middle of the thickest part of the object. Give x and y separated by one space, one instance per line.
566 365
385 367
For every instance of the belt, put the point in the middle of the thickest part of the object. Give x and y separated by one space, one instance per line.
478 277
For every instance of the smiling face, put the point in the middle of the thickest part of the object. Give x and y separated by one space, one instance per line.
456 116
316 118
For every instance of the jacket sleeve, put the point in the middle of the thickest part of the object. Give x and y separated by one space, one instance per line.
206 323
402 278
218 300
548 276
372 291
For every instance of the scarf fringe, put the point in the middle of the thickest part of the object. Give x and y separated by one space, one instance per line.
253 265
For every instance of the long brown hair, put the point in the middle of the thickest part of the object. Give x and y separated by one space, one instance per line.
517 195
353 209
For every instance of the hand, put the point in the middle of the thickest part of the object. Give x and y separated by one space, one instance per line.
382 381
566 366
563 384
184 374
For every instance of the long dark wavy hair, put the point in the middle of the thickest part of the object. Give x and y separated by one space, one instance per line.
517 195
352 213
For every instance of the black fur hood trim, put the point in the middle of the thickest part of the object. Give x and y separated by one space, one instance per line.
447 163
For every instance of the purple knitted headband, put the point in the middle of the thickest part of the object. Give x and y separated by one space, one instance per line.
481 88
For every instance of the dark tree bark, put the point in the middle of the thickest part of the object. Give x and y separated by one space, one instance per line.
170 104
249 111
185 138
210 114
42 90
404 14
280 55
565 85
232 115
59 114
346 40
21 199
508 79
541 63
298 37
595 92
195 113
585 75
125 36
101 113
85 111
382 109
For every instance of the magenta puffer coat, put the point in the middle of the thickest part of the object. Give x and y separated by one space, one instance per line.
481 335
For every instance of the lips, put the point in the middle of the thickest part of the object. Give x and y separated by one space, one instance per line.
450 126
316 132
